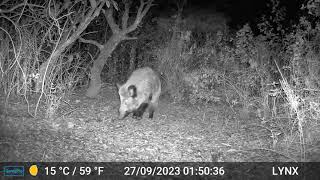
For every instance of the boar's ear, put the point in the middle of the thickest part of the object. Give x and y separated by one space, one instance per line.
118 86
132 89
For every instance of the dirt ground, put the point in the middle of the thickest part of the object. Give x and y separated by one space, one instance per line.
87 129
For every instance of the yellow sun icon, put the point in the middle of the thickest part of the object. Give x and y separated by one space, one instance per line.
33 170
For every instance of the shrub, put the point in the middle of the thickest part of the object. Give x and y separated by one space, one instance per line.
203 86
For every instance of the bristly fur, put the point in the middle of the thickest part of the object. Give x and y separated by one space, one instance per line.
140 93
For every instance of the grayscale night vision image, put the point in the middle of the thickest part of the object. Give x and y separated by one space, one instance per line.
160 89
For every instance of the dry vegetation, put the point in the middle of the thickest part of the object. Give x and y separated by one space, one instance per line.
226 96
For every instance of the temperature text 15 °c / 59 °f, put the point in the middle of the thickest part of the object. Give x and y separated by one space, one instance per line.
73 171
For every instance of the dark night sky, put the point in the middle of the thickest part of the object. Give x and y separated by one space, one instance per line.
238 12
242 11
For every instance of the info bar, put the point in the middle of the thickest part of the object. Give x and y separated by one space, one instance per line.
161 170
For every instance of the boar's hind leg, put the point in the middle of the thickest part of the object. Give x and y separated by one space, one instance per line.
139 112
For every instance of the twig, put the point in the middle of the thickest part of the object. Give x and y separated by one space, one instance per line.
69 112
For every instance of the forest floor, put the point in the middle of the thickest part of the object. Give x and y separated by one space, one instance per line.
87 129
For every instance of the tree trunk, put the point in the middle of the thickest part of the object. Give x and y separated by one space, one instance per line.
113 69
133 54
98 64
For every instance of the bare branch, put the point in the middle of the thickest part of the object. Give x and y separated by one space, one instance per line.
94 9
20 5
100 46
146 9
125 15
83 25
89 17
142 4
142 11
4 2
93 3
109 16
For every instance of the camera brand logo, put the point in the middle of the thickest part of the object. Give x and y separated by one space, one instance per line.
13 171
